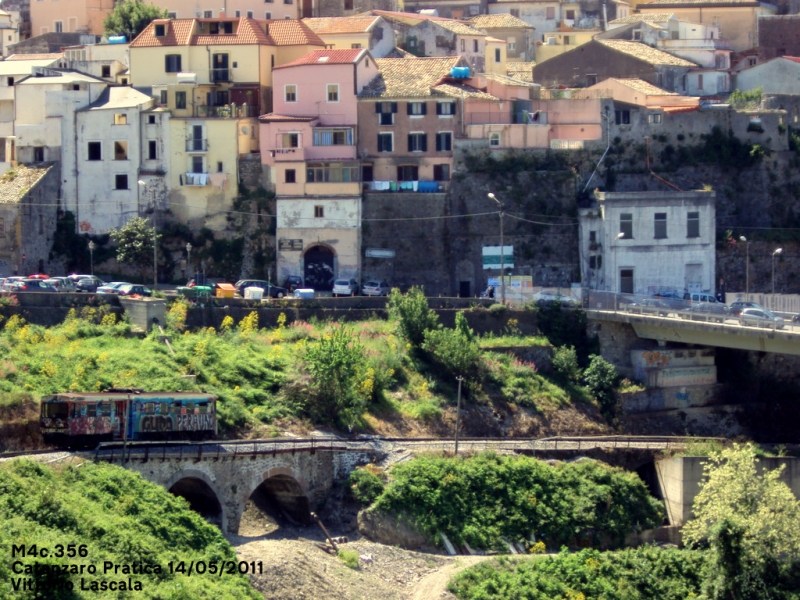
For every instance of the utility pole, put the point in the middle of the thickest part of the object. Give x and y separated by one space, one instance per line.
502 252
458 410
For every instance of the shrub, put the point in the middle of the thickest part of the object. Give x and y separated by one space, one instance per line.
349 557
457 352
366 485
601 379
565 362
176 316
411 312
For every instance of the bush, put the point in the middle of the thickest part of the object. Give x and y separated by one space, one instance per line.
366 485
565 362
456 350
601 379
412 314
349 557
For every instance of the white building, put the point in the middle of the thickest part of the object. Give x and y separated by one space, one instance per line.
110 151
780 75
110 62
667 242
9 30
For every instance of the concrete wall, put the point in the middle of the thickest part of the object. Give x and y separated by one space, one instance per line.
776 76
665 399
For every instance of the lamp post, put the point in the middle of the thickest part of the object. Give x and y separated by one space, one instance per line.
774 254
92 246
614 274
155 247
746 268
502 252
189 259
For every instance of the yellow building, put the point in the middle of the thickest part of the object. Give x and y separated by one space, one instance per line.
215 78
558 42
496 55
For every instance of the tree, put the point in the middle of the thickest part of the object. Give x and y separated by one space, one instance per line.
135 244
130 17
455 349
601 379
412 314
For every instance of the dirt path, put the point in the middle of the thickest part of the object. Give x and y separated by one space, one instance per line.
434 585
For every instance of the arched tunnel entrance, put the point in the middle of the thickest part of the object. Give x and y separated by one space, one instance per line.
201 498
278 500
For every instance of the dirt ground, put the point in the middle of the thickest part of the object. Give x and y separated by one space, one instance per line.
296 565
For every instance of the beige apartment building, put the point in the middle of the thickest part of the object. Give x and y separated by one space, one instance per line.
59 16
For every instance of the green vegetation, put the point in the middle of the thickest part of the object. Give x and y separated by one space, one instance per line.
130 18
113 515
645 573
349 557
748 100
486 499
412 314
601 380
367 483
135 244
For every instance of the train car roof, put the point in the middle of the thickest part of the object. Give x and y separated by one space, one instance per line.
126 396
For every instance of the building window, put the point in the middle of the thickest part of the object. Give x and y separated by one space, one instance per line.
441 172
444 142
151 119
268 17
348 4
654 118
622 117
515 12
700 81
332 172
474 45
596 261
355 46
10 81
172 15
626 281
197 164
180 99
446 109
238 13
385 142
120 119
287 2
497 55
249 14
550 13
417 142
463 45
416 109
289 176
570 15
386 111
120 182
120 150
626 225
408 173
494 139
660 226
333 137
290 140
333 92
95 151
693 225
512 44
38 154
319 212
208 14
152 149
172 63
290 93
160 30
220 167
163 99
105 71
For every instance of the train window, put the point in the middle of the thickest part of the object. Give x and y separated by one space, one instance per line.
91 409
176 404
203 408
54 410
190 407
164 408
149 407
105 409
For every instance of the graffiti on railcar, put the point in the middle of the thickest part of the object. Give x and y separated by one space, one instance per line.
84 425
155 424
195 422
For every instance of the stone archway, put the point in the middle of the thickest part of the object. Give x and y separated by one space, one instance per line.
280 497
200 495
318 268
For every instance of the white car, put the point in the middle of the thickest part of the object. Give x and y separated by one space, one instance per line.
376 288
552 295
345 287
111 288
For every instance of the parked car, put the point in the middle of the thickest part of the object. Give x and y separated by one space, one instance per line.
760 317
293 282
33 285
345 287
738 306
131 289
376 288
111 288
706 311
88 283
63 284
270 289
700 297
674 301
551 295
9 282
649 306
38 276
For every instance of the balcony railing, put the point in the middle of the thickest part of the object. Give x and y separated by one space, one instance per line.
288 154
220 75
227 111
406 186
196 145
195 179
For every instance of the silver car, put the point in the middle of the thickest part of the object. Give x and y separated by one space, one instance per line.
760 317
63 284
345 287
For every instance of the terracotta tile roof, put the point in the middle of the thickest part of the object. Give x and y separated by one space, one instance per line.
521 70
457 27
403 15
15 182
327 57
273 118
680 109
285 32
646 53
323 25
36 56
501 21
408 77
399 53
646 17
644 87
460 90
507 80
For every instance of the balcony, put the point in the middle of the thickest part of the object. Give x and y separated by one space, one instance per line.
196 145
429 187
287 154
195 179
220 75
227 111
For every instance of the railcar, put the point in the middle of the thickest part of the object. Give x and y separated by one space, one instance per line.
76 419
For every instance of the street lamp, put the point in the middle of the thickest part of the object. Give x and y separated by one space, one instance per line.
502 252
92 246
189 258
746 268
614 274
774 254
155 248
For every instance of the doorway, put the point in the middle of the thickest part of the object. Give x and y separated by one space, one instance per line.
626 281
464 289
318 269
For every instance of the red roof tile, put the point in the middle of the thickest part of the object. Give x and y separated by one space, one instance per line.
326 57
334 25
291 32
286 32
35 56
